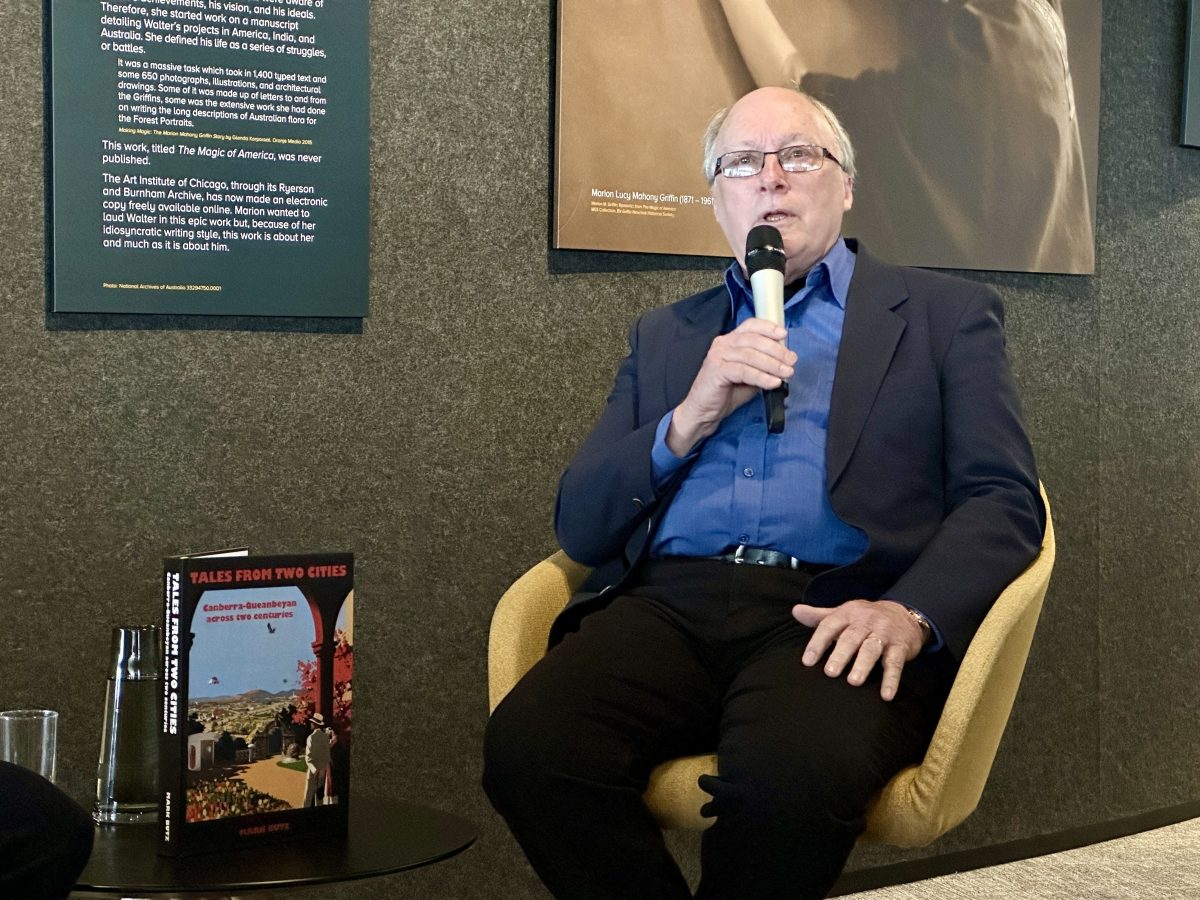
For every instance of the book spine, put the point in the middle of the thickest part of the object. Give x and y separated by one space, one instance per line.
173 734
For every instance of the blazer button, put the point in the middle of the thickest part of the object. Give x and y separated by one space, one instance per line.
638 503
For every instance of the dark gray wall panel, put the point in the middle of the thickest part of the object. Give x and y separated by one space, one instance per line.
1148 562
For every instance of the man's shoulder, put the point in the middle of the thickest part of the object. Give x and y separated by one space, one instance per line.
935 283
712 304
942 290
700 302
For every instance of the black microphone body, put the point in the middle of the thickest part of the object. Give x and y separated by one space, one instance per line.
765 262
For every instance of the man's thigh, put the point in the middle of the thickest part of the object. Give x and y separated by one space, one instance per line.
800 757
628 690
793 734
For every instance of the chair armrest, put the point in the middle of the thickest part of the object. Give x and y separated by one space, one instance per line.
522 619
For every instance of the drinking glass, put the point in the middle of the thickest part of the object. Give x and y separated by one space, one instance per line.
29 738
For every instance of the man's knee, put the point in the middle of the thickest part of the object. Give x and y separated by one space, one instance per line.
522 750
501 755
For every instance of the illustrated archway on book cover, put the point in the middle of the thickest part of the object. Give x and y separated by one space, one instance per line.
325 602
226 661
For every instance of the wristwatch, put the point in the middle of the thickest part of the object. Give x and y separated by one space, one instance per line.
926 625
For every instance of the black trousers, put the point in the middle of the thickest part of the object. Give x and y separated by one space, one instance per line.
701 655
45 836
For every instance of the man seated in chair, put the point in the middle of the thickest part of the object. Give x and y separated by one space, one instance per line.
799 600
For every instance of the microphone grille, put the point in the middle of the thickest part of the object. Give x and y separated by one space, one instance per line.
764 249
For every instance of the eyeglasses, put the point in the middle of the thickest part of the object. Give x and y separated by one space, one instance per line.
801 158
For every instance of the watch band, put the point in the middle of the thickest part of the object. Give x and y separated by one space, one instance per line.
923 622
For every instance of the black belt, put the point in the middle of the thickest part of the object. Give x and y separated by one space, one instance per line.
757 556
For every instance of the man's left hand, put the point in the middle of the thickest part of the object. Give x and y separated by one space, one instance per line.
867 631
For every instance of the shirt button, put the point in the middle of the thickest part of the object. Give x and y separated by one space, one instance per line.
748 472
743 538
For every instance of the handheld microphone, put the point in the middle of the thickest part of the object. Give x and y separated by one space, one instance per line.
764 264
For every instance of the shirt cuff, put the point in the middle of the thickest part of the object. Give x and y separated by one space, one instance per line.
664 463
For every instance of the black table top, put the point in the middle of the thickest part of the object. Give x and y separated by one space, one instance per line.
385 836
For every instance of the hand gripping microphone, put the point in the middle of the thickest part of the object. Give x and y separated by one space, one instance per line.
764 264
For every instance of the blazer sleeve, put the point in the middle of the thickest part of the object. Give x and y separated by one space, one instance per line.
995 518
607 491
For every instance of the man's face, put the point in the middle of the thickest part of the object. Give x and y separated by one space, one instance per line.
806 207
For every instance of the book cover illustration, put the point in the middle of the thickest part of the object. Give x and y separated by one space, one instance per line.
258 699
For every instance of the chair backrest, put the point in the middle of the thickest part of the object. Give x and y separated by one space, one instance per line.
522 619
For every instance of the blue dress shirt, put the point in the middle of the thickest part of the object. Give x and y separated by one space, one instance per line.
769 490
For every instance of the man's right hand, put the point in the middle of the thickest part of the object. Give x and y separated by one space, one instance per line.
739 364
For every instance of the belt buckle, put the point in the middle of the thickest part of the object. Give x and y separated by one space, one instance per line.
739 555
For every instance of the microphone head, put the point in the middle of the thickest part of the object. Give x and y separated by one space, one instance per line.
764 249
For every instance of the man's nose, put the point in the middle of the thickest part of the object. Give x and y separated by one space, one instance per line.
773 176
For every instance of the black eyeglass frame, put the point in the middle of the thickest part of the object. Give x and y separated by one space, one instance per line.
822 155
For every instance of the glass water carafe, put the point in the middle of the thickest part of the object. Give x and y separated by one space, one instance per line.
127 783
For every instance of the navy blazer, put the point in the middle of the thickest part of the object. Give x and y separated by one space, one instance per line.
926 452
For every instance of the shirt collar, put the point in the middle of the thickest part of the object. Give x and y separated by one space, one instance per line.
833 271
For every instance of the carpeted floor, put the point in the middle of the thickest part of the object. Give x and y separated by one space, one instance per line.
1163 864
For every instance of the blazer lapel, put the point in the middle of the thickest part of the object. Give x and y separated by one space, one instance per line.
870 333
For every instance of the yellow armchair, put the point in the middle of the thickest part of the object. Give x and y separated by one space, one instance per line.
921 802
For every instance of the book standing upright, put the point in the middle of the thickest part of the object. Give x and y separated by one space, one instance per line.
257 699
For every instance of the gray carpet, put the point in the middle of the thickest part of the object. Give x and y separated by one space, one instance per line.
1163 864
